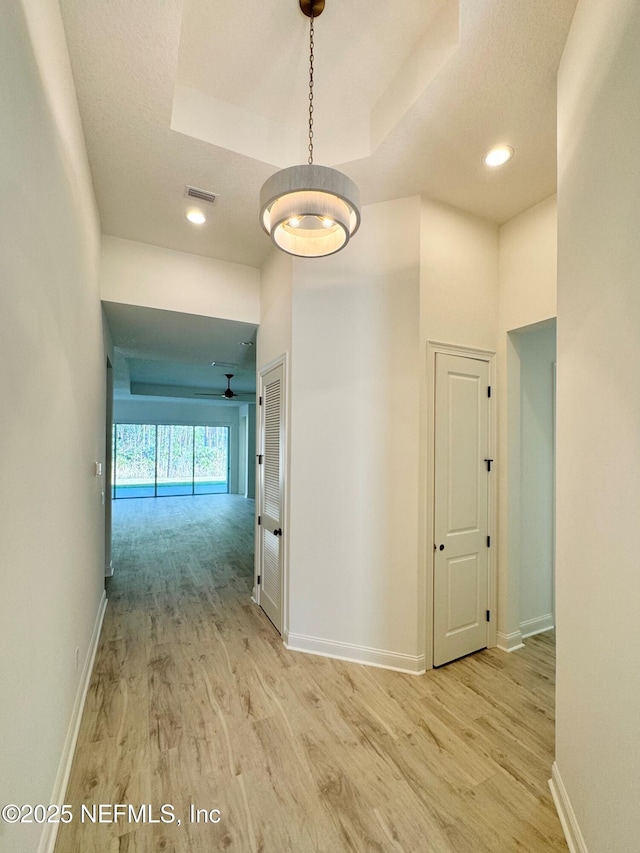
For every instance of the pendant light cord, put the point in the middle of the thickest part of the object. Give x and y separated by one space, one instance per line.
311 57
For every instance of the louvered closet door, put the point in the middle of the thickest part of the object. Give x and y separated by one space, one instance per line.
271 493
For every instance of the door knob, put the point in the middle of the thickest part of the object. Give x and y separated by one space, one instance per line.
277 531
442 547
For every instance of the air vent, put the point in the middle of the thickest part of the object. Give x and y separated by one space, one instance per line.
201 195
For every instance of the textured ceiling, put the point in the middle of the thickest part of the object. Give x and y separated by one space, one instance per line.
170 354
256 102
263 66
496 86
409 96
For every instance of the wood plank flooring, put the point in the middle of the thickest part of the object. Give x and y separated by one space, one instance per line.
195 701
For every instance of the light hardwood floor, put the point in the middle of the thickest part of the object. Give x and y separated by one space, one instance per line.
194 700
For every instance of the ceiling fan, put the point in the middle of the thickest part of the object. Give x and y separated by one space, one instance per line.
227 394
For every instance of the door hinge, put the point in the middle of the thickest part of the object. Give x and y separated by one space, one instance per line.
260 458
489 391
259 520
259 585
488 613
488 461
259 401
488 542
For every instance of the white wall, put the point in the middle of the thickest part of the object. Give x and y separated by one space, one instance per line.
354 443
154 410
458 305
274 334
52 423
138 274
528 267
248 411
537 350
478 283
528 284
598 446
355 326
458 277
273 341
251 453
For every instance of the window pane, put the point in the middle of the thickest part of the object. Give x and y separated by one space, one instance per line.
211 460
135 466
175 460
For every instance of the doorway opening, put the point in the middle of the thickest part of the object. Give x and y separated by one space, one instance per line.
531 435
107 494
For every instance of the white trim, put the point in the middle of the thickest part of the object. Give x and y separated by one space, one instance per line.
50 831
510 642
575 841
537 626
460 349
411 664
489 356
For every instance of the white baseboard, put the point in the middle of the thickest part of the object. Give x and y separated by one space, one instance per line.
537 626
411 664
510 642
48 837
567 816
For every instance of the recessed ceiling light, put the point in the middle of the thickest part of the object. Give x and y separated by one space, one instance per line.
196 216
498 155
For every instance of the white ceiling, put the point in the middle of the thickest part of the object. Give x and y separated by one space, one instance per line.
261 112
409 96
273 51
246 62
170 354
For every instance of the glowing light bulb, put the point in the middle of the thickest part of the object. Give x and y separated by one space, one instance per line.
499 155
294 222
197 217
328 223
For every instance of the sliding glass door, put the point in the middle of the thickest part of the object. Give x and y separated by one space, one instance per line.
174 461
134 462
169 460
211 460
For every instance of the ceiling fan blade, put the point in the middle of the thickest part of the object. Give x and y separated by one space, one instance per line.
249 396
228 393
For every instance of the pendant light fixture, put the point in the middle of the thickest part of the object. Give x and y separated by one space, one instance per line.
310 210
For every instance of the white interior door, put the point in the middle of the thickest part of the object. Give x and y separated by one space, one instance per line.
271 494
461 521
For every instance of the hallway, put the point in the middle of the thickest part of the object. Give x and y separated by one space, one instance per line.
195 701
